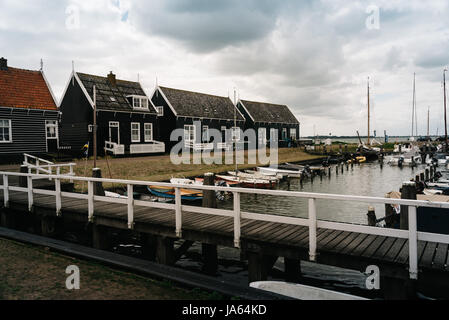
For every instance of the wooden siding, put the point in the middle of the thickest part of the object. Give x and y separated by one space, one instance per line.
28 130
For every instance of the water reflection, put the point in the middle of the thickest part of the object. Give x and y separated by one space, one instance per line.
367 179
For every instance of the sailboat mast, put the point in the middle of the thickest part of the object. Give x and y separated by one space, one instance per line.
445 115
368 116
428 123
414 107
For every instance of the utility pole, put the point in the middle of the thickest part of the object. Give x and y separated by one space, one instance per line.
445 113
95 126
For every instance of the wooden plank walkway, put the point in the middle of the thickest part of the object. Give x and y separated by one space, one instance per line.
334 246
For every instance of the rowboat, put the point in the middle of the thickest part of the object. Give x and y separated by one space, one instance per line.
248 183
253 176
302 292
273 172
169 192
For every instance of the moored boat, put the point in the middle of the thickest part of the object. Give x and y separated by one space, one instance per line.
169 192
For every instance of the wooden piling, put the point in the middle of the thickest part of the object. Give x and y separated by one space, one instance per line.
101 239
408 192
98 186
427 174
372 219
259 265
422 177
209 251
165 253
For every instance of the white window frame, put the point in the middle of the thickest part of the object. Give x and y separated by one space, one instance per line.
188 129
274 131
114 124
9 130
293 135
235 131
138 102
51 123
205 134
284 134
160 111
138 128
145 125
262 137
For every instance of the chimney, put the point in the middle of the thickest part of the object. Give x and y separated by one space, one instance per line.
111 79
3 64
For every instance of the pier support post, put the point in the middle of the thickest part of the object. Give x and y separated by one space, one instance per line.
408 192
7 218
165 253
259 265
209 197
98 186
101 239
210 258
422 177
292 270
48 226
149 244
427 174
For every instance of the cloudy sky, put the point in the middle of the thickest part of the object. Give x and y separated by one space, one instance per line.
314 56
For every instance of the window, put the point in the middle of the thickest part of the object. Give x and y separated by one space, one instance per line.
235 134
274 134
90 128
206 134
284 133
113 99
148 132
51 129
135 132
160 111
262 136
293 134
189 133
140 102
5 131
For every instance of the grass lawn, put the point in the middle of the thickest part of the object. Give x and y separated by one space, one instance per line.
161 168
33 273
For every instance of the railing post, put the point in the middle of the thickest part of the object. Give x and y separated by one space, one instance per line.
71 172
6 190
30 192
58 196
130 206
312 229
237 220
413 243
90 193
37 166
178 211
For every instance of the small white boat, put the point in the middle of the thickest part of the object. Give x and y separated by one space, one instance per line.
179 181
405 160
114 195
253 176
431 192
302 292
273 172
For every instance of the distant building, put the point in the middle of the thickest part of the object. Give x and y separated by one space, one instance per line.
28 113
179 109
269 119
126 118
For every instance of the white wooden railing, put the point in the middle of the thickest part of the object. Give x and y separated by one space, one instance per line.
114 148
237 214
42 166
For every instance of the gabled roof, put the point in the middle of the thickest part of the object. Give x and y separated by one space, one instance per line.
111 97
268 112
200 105
28 89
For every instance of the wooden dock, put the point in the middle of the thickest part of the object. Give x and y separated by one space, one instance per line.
261 238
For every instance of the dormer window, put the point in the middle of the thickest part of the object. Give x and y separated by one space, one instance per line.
139 102
160 111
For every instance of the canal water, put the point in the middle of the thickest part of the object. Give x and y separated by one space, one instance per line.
368 179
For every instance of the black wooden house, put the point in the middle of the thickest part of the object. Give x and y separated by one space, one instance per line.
126 118
269 120
28 113
180 109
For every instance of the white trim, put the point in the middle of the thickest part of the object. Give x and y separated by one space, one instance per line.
49 89
149 99
84 90
114 124
140 135
166 100
10 131
243 105
189 126
144 130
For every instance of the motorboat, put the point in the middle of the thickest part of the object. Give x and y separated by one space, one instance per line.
441 159
410 159
269 171
302 292
255 175
248 182
169 193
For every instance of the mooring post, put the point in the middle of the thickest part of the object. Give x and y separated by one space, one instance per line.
23 179
372 219
422 177
417 178
259 265
408 192
98 186
329 169
149 244
209 251
336 169
427 174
